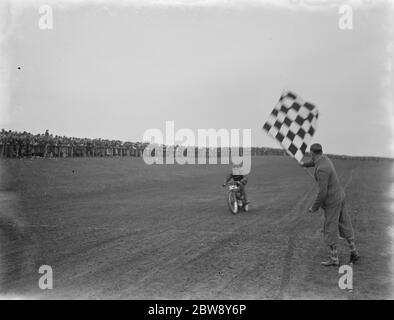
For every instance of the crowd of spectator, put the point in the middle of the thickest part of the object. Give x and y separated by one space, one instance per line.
15 144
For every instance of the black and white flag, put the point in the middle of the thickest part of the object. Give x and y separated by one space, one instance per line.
292 123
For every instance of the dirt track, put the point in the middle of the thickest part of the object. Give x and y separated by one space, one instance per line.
117 228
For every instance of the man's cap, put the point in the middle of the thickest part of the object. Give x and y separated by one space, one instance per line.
316 147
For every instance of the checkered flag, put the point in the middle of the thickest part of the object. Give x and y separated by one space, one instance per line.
292 123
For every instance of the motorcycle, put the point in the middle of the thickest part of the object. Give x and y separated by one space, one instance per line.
235 199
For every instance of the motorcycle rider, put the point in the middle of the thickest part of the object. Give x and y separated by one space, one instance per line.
237 176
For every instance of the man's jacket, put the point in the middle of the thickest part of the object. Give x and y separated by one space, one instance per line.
330 191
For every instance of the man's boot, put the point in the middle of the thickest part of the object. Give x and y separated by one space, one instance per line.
333 260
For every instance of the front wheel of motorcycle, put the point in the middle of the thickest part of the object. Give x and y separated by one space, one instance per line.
232 202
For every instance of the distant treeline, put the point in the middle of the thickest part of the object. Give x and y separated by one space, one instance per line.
281 152
15 144
278 151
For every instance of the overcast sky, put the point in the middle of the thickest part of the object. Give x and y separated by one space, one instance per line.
114 71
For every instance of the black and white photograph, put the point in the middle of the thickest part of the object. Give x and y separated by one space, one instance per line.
216 150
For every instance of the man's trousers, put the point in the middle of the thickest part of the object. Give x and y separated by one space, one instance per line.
337 223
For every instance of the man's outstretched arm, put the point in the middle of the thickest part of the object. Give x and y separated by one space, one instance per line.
228 178
307 164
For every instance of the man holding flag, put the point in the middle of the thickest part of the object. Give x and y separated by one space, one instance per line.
293 123
331 198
